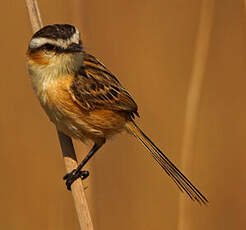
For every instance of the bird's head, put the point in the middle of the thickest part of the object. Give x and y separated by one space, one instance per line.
57 48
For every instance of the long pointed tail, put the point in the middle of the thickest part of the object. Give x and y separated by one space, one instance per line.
181 181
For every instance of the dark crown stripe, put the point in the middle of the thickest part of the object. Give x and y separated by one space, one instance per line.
57 31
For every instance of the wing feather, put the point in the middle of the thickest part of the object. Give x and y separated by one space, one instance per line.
95 87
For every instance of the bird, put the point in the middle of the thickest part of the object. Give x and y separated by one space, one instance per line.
86 101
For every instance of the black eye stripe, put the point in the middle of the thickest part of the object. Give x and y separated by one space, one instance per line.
49 46
74 47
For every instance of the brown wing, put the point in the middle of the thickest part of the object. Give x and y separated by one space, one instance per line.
95 87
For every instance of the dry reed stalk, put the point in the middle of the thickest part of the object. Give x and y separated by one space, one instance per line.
193 97
65 141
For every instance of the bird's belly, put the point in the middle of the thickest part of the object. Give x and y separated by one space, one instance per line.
69 123
75 121
87 125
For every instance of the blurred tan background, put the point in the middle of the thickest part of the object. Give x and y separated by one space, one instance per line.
150 46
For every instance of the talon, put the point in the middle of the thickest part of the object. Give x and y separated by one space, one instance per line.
84 174
73 176
66 176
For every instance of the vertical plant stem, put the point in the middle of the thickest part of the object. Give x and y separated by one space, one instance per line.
34 15
66 143
193 97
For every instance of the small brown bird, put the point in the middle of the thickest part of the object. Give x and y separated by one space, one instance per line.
85 100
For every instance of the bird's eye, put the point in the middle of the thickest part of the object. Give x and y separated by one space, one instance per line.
49 47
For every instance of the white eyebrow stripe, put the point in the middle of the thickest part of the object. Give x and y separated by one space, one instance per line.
75 38
38 42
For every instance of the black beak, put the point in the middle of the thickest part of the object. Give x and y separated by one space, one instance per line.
74 47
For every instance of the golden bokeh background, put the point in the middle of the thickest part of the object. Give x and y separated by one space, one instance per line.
150 46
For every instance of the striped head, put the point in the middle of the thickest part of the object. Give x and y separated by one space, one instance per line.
56 48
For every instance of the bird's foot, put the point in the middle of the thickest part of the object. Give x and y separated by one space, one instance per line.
73 176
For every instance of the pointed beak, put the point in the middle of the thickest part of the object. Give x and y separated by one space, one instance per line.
74 47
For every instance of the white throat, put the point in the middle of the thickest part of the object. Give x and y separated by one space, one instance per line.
43 76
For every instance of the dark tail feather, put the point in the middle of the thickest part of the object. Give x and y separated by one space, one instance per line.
181 181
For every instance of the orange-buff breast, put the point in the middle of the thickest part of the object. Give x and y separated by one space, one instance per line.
74 120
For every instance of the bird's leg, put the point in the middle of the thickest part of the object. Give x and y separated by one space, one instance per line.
77 173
